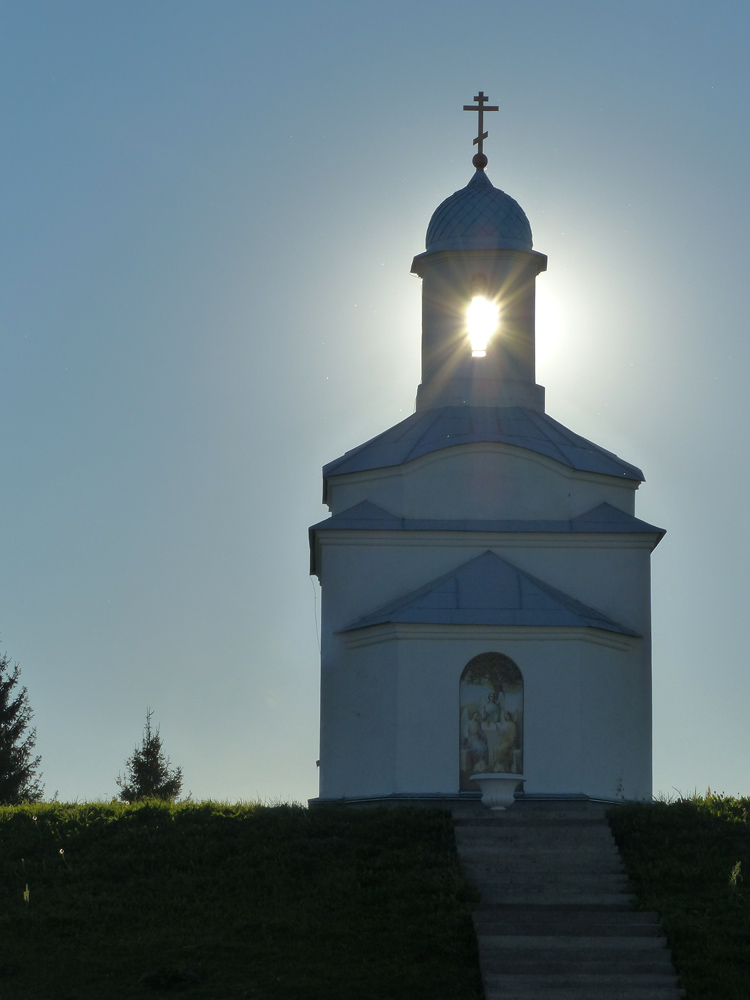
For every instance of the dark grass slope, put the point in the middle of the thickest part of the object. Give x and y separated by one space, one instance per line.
690 861
220 902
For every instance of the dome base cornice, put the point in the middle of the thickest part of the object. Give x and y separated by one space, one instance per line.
535 260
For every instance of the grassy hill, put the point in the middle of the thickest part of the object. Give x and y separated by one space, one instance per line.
232 902
690 861
236 902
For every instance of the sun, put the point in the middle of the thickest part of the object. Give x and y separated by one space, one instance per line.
482 320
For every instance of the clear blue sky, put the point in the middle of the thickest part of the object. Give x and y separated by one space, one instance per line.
209 211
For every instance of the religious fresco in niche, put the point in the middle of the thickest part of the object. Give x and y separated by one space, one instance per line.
490 718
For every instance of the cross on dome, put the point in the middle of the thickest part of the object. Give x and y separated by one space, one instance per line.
480 160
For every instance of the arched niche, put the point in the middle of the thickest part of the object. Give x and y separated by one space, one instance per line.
490 718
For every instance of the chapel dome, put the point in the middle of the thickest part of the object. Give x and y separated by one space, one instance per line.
479 217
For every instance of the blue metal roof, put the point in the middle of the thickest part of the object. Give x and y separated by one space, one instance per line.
601 519
367 516
479 217
431 430
488 590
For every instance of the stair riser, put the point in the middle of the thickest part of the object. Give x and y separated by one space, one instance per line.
550 898
543 942
542 929
555 992
541 873
604 983
582 852
496 881
552 861
558 968
552 835
530 912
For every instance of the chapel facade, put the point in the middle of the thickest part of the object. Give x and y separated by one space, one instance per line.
485 581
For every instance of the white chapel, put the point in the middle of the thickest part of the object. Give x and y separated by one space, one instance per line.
485 581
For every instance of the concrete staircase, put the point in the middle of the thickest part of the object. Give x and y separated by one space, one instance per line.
555 919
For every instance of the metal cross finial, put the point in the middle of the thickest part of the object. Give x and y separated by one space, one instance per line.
480 160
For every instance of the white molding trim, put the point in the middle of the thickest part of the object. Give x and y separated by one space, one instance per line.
400 631
418 538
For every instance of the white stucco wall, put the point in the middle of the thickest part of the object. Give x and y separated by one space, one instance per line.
586 729
389 693
482 481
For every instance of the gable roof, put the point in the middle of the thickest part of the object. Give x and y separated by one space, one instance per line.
488 590
428 431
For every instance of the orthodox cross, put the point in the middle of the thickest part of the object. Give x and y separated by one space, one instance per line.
481 106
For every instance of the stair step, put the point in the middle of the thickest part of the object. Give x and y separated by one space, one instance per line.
598 830
582 987
549 855
555 918
520 815
551 942
533 875
606 912
545 883
554 896
556 859
557 961
564 927
548 844
577 964
514 819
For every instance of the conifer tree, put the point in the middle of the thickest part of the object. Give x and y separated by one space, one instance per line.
147 773
20 780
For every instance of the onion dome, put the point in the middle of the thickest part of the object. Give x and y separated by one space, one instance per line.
479 217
